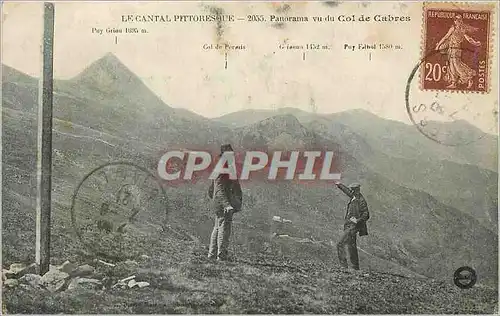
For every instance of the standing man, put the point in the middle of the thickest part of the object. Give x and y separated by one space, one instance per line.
354 222
226 199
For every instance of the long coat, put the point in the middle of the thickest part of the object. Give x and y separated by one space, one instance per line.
357 208
225 192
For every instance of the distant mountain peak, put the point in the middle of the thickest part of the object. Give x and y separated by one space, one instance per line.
107 71
110 55
10 74
357 112
282 119
283 123
110 58
9 69
107 78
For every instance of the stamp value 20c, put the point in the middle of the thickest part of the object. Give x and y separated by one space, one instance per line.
456 47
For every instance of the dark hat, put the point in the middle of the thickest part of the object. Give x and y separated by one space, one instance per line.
226 147
354 185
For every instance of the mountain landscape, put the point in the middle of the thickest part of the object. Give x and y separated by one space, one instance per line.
433 208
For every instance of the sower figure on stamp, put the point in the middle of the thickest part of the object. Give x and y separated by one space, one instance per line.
458 70
226 199
355 222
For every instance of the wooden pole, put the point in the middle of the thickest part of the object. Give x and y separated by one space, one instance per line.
44 155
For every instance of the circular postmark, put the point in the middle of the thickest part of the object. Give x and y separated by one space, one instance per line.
445 108
465 277
117 208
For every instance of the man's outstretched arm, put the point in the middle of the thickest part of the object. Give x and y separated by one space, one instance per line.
344 189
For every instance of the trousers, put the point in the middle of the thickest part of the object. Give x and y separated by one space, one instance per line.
348 240
219 240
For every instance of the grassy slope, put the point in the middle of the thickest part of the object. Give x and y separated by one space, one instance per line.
264 286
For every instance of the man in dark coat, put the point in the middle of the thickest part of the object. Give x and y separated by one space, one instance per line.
354 222
226 199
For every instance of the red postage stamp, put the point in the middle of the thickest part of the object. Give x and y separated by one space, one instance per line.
456 47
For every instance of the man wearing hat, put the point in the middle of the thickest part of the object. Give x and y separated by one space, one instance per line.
226 199
355 222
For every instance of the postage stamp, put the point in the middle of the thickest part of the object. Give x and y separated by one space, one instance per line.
462 35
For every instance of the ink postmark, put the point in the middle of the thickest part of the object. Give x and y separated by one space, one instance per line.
448 93
116 205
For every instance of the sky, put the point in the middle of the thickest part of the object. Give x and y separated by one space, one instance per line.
171 61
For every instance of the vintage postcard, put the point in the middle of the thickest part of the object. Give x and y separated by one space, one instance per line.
190 157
